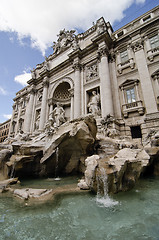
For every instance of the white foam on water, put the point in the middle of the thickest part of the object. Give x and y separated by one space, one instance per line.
57 179
106 202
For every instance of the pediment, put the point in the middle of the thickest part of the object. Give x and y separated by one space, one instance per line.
129 82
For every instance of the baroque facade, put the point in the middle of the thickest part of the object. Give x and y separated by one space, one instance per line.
4 130
112 75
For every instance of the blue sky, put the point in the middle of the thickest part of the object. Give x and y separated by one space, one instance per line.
28 28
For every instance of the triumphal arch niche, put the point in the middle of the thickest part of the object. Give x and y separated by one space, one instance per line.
61 93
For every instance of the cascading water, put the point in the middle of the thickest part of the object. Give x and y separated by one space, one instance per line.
12 173
102 183
57 165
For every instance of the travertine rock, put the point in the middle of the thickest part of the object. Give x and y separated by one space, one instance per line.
124 168
27 193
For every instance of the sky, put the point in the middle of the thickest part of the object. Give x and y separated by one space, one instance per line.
29 27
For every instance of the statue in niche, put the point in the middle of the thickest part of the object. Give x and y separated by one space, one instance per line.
37 121
93 104
58 114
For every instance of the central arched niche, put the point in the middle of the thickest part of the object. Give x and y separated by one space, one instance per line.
62 95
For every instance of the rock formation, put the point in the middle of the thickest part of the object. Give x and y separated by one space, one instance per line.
73 148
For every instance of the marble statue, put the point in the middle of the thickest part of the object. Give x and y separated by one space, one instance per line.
58 114
33 73
93 104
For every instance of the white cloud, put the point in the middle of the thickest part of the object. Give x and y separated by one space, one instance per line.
23 78
7 116
41 20
140 1
3 91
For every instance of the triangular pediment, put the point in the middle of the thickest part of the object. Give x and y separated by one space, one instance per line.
129 82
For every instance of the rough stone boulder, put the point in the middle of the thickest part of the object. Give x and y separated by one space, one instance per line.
4 156
6 183
52 154
67 147
124 169
117 173
91 164
30 193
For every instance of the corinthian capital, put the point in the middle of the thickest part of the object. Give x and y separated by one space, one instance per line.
77 66
45 82
138 45
102 51
32 90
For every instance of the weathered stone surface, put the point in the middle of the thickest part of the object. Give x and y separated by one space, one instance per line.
43 154
83 185
32 193
124 168
4 156
91 164
5 183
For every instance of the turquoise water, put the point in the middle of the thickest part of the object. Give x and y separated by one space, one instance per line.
133 215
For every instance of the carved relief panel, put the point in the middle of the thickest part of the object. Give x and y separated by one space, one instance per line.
92 72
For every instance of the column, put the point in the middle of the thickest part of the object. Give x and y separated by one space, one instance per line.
146 84
50 102
44 104
18 117
12 120
117 107
29 111
72 103
77 90
156 84
105 85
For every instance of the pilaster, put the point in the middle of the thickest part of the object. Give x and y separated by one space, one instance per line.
146 84
29 110
77 88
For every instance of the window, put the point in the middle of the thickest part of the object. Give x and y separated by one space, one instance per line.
136 132
120 34
147 18
154 41
130 94
124 56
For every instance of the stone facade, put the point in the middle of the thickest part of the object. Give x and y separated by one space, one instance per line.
4 130
112 75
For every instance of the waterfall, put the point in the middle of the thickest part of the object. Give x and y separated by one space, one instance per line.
12 173
103 200
57 164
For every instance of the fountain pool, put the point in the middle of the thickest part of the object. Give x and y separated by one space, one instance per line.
127 216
